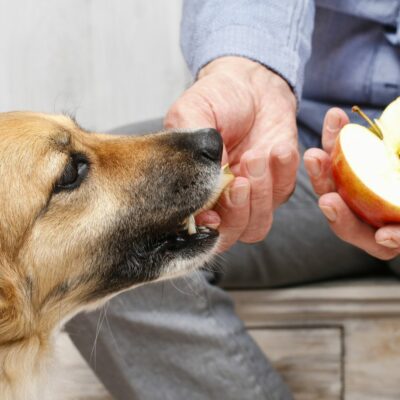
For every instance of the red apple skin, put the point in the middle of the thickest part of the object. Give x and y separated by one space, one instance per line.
364 202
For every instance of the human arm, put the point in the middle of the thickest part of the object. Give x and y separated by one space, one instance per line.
252 103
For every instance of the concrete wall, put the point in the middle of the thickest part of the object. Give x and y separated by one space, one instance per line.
110 62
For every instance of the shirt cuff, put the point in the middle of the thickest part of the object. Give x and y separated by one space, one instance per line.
256 45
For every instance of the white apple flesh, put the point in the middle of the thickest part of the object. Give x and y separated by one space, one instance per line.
366 168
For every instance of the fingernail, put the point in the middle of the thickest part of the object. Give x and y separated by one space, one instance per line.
256 167
285 158
239 194
314 167
329 212
390 243
212 226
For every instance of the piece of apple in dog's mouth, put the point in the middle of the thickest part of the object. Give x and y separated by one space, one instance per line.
187 233
366 166
226 178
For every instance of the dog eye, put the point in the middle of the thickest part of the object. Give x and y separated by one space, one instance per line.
74 173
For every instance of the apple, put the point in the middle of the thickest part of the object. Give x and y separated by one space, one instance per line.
225 178
366 166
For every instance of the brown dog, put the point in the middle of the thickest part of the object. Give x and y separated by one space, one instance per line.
85 216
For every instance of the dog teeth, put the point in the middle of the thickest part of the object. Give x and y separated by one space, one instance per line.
191 225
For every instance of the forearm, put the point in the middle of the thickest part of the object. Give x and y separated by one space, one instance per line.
275 33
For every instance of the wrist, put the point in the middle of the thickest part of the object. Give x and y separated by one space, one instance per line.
230 63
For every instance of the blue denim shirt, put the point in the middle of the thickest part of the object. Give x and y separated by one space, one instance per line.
332 52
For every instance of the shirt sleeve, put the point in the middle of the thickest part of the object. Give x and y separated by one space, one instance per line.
275 33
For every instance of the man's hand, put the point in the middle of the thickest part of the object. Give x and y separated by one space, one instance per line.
383 243
255 111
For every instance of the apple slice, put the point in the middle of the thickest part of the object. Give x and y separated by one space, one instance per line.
366 167
225 178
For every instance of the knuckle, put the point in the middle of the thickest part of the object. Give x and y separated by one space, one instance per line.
386 254
319 191
254 235
252 239
260 194
260 200
343 234
173 115
283 193
321 188
233 227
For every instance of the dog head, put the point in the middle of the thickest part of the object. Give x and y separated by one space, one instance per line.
84 216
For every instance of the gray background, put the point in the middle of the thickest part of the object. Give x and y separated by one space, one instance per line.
110 62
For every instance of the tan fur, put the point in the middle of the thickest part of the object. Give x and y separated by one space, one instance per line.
48 243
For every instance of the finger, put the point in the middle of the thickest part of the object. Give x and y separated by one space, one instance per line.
190 111
318 166
350 229
234 210
389 236
208 218
335 120
284 162
255 167
225 157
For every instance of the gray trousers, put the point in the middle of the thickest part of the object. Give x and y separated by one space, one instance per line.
181 339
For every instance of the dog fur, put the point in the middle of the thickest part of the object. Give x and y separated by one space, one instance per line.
66 248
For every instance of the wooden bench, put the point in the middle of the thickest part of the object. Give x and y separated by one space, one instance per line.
330 341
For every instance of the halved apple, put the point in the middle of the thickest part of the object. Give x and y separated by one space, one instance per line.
366 167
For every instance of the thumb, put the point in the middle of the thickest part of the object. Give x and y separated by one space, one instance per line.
335 119
191 114
192 111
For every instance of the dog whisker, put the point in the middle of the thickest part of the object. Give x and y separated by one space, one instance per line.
93 358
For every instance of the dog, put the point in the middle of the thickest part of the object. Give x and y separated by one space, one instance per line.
85 216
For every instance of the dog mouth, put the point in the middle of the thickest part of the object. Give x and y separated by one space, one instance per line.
187 234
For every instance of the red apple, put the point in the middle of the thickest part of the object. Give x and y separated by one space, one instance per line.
366 167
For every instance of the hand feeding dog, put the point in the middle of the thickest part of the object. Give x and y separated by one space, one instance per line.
85 216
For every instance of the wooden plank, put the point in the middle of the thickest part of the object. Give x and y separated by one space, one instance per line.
326 347
361 289
326 303
74 379
308 359
372 360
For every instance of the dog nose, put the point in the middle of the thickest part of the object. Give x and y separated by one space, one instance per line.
208 144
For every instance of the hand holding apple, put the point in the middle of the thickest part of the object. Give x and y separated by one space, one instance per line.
366 167
339 157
